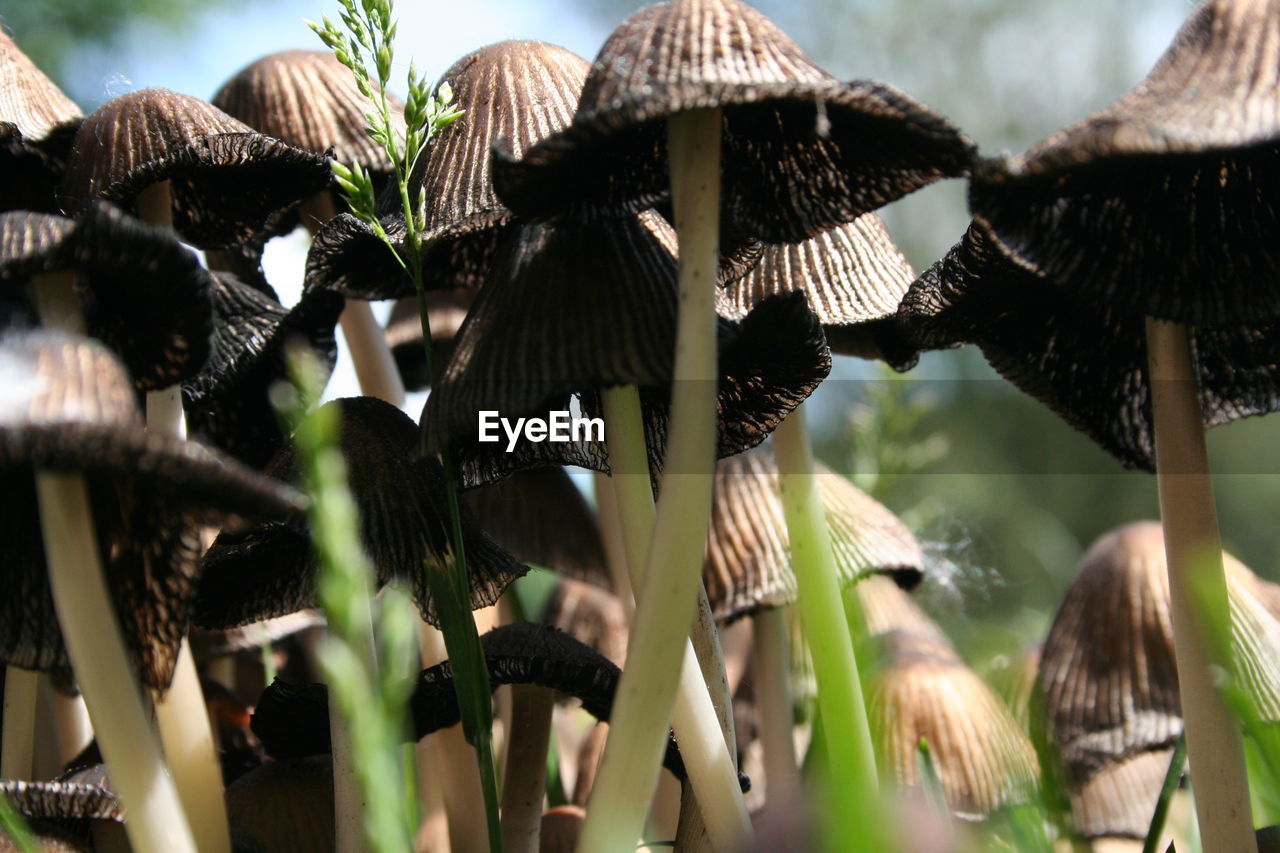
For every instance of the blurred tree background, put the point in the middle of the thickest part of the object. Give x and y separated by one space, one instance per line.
1003 493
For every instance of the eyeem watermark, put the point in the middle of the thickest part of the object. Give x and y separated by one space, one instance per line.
560 426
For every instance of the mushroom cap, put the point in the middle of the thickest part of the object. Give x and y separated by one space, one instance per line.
984 759
516 91
1087 362
226 179
446 309
286 805
1160 204
270 570
591 615
802 152
576 306
144 294
542 518
37 124
308 99
748 564
853 275
228 402
69 407
887 608
1109 680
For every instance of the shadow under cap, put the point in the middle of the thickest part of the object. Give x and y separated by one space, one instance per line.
226 179
446 309
802 152
516 91
1163 203
1085 360
405 529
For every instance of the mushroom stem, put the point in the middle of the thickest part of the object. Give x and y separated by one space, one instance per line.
164 412
189 749
453 765
375 367
673 560
847 735
71 719
774 716
611 533
634 507
524 782
1197 590
155 205
96 648
17 752
54 297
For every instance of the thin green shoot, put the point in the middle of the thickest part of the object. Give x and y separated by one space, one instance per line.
15 826
372 704
1171 780
366 48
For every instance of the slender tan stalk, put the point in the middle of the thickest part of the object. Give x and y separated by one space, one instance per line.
192 755
611 533
375 367
17 752
772 687
1198 591
71 719
164 412
452 762
95 645
647 691
524 781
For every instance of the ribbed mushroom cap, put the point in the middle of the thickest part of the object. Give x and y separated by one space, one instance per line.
446 309
542 519
144 294
1120 800
292 720
1084 360
228 403
270 570
591 615
287 806
853 275
1109 680
226 179
212 644
984 759
1160 203
60 813
888 608
68 406
748 563
517 91
308 99
576 306
802 152
37 123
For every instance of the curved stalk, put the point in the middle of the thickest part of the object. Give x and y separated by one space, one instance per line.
95 645
1197 590
656 664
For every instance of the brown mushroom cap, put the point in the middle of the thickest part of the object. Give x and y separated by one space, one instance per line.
518 91
143 293
853 275
446 309
802 151
748 564
591 615
226 179
1084 360
308 99
29 100
270 570
1158 204
69 407
984 760
1120 800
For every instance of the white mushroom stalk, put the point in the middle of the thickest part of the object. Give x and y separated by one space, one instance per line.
524 782
181 716
1197 591
647 690
17 761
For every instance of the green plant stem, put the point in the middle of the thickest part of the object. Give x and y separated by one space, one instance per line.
1171 780
1197 591
673 568
846 732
